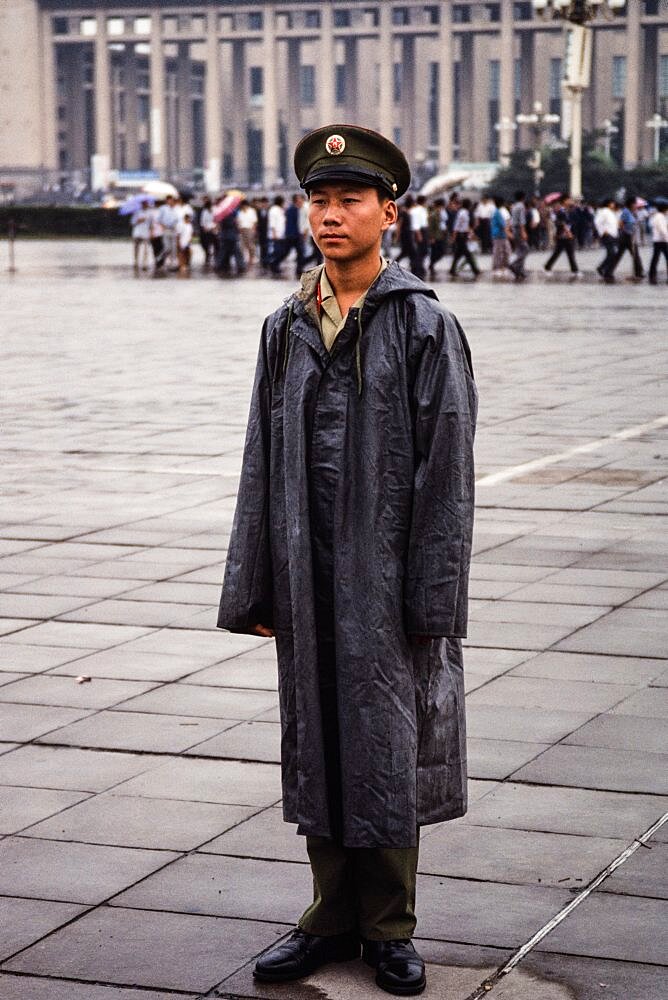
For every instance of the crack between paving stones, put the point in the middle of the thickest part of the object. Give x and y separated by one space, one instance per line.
489 984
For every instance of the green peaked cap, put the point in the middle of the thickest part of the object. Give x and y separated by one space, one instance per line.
351 153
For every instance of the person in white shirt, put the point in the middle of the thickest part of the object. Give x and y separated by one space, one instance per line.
141 235
156 235
607 226
462 232
419 222
276 225
207 233
184 236
247 222
168 218
482 214
659 228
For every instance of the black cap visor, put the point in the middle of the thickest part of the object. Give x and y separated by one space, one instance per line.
356 175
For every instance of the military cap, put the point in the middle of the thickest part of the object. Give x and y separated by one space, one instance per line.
351 153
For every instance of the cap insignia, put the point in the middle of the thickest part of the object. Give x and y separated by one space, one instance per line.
335 145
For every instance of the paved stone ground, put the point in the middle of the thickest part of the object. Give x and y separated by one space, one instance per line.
143 854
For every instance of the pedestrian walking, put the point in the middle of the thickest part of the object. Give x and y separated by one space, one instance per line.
276 227
501 232
463 233
565 238
607 228
156 232
627 240
294 238
354 557
207 233
438 234
141 236
659 229
404 230
482 214
518 222
184 237
262 208
419 223
229 245
168 218
247 222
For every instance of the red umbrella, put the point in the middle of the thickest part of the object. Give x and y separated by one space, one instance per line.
554 196
229 204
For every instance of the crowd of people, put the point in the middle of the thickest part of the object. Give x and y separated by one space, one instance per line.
263 236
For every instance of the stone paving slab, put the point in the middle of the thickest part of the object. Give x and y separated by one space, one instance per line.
597 767
259 741
231 782
591 667
149 733
498 759
623 732
27 722
645 873
174 951
31 988
545 693
130 821
197 700
74 873
35 659
24 921
55 690
264 835
77 770
124 664
21 807
508 722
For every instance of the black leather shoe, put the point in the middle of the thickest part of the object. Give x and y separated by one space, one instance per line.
399 968
301 954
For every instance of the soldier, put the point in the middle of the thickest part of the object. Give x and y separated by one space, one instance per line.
351 546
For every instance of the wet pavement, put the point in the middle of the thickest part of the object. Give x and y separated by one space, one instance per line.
143 854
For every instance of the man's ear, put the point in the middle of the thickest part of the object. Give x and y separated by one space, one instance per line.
390 214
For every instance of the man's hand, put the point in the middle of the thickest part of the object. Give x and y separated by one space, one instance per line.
266 633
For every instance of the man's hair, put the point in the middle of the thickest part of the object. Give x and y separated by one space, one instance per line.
279 200
630 202
499 201
520 195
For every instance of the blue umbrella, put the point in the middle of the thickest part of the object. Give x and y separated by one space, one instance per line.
134 203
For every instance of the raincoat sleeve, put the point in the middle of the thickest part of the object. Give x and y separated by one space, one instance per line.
444 402
247 595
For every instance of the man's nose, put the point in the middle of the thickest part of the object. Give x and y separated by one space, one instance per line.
332 216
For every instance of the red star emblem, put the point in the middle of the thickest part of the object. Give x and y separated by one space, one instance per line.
335 145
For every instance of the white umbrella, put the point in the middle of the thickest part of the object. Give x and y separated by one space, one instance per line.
160 189
443 182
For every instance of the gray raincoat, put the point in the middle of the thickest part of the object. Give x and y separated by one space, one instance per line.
352 534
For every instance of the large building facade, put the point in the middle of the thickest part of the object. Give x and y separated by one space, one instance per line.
225 89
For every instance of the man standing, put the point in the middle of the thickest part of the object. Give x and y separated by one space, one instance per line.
351 546
607 228
659 228
276 230
518 221
628 239
565 239
463 233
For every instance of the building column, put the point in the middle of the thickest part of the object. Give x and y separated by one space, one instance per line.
103 140
158 131
386 60
270 150
634 85
326 63
239 112
507 89
445 98
213 102
185 118
467 104
49 96
131 124
352 88
408 98
293 129
649 102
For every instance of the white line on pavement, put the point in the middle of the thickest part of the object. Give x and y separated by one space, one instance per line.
540 463
485 988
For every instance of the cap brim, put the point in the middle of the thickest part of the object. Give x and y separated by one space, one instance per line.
356 175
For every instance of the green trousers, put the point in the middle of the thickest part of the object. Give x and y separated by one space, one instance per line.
366 889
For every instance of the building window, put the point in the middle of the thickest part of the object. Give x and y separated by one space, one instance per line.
456 107
371 17
619 77
433 14
397 136
555 89
115 26
340 84
493 12
397 82
142 26
461 13
652 7
663 76
88 26
494 79
522 11
61 26
307 85
256 84
342 19
517 85
400 16
255 21
312 19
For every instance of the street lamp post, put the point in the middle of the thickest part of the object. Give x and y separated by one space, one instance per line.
577 63
505 124
657 122
608 131
538 122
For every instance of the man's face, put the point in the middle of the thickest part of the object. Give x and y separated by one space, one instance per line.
348 221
